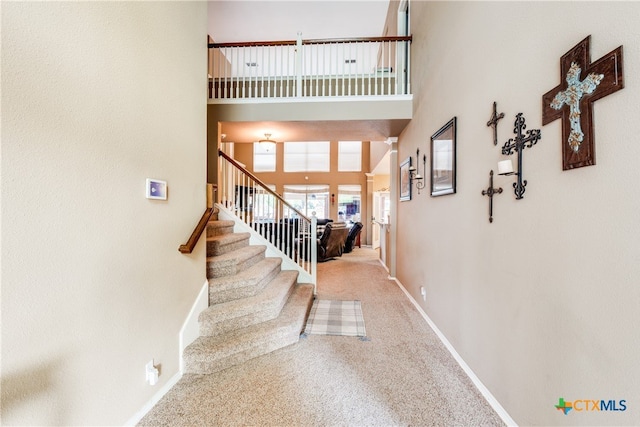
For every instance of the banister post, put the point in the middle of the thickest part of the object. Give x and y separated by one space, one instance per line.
299 65
210 199
314 253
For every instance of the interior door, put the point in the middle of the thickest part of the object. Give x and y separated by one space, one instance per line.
381 203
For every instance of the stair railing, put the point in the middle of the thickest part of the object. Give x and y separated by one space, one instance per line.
188 247
254 203
369 66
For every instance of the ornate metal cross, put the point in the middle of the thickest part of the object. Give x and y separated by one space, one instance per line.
493 122
517 144
603 77
490 192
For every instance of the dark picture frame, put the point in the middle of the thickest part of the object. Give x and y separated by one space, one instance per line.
405 180
443 160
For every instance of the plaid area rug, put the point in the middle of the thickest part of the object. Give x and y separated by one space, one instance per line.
330 317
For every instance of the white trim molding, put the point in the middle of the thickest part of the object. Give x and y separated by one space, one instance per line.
134 420
502 413
188 334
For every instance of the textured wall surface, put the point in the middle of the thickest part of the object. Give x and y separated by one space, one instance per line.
543 303
97 97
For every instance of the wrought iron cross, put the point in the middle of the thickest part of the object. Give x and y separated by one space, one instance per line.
572 100
493 122
517 144
490 192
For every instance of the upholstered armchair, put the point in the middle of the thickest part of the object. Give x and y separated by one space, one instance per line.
331 243
351 237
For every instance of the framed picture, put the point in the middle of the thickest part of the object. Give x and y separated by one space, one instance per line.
156 189
405 180
443 160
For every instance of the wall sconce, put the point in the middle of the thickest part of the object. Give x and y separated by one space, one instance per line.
333 199
414 173
517 145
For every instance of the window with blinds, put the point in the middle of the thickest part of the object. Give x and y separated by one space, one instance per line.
349 202
309 199
264 157
349 156
307 156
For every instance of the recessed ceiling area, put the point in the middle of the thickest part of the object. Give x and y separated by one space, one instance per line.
361 130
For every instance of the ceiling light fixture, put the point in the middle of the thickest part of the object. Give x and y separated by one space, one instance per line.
267 144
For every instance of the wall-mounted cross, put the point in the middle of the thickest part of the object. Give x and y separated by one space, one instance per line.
583 84
490 192
517 144
493 122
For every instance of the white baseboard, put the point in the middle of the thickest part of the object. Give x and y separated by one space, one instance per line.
155 399
191 329
502 413
189 333
385 267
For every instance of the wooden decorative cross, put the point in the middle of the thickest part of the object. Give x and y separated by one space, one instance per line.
578 94
490 192
493 122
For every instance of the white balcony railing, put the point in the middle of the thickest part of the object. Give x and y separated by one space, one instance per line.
377 66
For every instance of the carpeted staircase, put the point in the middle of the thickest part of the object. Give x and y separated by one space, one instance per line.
254 306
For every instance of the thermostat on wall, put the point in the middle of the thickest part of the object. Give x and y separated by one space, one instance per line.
156 189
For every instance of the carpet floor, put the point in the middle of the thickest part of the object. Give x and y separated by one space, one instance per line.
400 375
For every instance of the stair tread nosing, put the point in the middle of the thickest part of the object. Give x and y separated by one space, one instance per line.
224 243
245 283
218 227
227 264
287 328
243 312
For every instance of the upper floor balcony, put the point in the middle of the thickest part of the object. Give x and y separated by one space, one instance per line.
355 89
375 67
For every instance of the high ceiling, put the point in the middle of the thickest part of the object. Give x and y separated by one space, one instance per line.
266 20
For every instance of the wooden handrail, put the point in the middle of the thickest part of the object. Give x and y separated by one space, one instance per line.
188 247
262 184
313 41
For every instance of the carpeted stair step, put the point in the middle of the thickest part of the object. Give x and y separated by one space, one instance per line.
207 355
234 262
238 314
244 284
217 228
225 243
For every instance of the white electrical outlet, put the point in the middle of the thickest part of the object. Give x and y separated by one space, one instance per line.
423 292
151 373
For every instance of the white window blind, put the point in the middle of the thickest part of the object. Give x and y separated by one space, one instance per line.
349 156
307 156
309 199
264 157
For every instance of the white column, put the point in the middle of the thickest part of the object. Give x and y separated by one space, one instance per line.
393 214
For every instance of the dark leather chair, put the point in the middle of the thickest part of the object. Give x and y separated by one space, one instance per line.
321 223
351 237
331 243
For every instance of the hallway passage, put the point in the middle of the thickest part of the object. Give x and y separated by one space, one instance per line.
400 374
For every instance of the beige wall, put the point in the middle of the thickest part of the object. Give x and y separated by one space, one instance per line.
244 153
97 97
381 183
378 151
543 303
